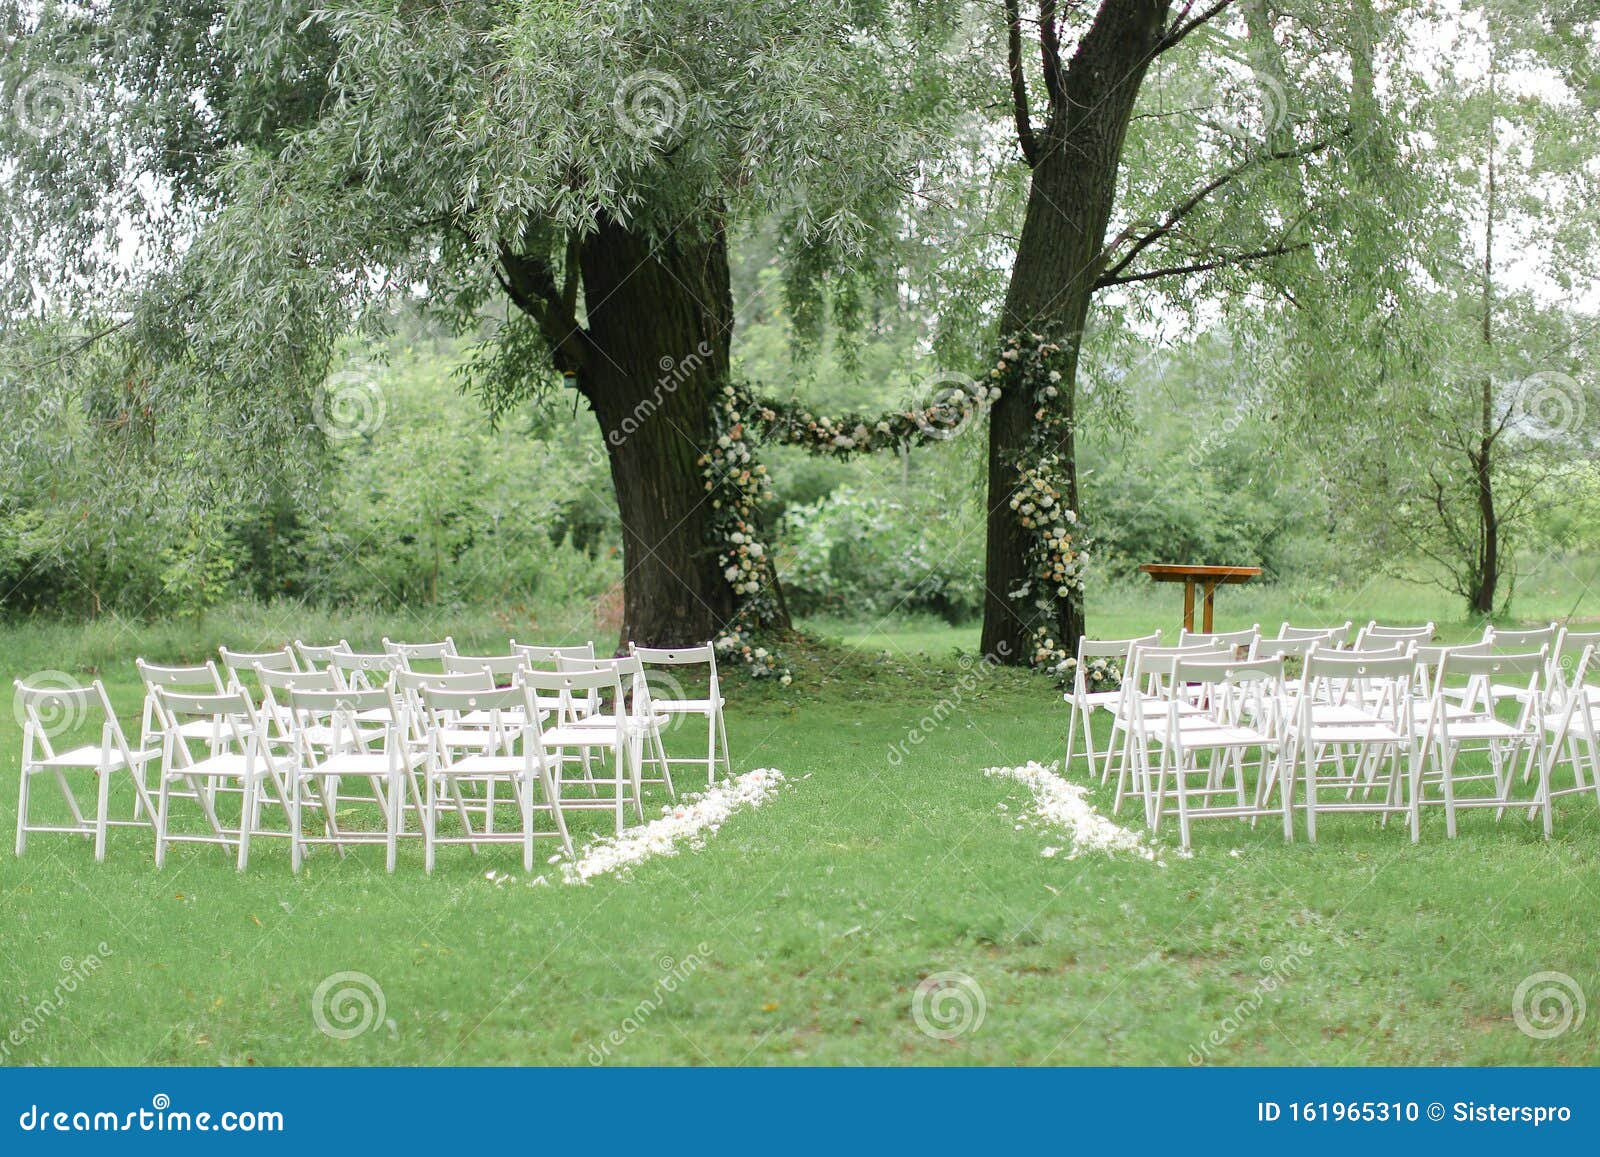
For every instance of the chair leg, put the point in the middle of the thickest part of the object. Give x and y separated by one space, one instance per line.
247 819
102 805
22 811
722 731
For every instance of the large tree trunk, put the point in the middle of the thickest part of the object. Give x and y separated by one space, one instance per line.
659 322
1059 257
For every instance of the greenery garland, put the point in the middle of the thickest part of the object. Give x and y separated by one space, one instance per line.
737 483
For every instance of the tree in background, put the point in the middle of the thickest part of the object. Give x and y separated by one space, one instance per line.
210 196
1195 207
1440 382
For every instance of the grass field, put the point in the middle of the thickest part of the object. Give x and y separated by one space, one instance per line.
801 932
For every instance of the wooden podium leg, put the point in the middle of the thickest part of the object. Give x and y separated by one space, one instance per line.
1188 605
1211 594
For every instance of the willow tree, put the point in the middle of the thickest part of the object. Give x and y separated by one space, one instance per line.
221 191
1457 407
1199 204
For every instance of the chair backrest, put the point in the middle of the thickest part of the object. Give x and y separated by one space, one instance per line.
200 676
1114 648
241 663
1245 638
502 667
1208 670
628 665
1380 682
1459 663
362 669
1523 640
337 710
1333 636
571 688
48 712
231 714
420 652
539 656
663 685
272 681
1564 656
672 656
1376 633
408 682
1299 648
315 656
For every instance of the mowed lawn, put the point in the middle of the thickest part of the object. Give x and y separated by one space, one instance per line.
800 933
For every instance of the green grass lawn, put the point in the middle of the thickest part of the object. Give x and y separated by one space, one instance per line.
800 933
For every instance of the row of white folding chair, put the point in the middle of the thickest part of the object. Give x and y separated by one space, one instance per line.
1296 736
329 742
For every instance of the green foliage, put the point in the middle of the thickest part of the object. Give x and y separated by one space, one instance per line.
892 552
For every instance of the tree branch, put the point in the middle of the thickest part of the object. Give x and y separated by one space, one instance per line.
1050 50
1019 84
1194 199
1203 266
532 287
1181 27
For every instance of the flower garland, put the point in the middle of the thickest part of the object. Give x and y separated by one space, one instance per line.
737 484
1056 555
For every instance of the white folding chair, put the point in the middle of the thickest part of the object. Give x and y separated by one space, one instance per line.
1142 694
1572 725
1506 728
519 761
322 764
569 731
246 762
670 698
1240 728
50 712
642 724
1098 664
1362 745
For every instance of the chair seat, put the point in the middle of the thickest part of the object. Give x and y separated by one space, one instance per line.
1212 734
225 766
360 763
1481 728
89 756
1356 733
485 766
1091 698
580 735
686 706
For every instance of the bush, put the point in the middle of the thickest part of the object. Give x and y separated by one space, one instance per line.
856 554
